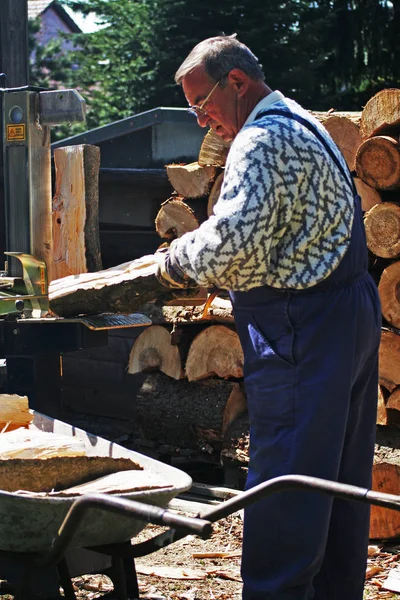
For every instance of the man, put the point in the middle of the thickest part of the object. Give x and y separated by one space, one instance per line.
287 241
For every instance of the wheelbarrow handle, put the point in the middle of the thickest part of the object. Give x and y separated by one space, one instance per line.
139 510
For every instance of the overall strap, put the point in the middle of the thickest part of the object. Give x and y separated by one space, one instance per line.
284 113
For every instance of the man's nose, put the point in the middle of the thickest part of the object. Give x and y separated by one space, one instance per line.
203 120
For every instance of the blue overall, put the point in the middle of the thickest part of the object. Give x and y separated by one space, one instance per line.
311 378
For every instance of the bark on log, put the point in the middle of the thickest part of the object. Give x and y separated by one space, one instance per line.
75 212
382 228
180 415
378 162
369 195
192 180
346 135
213 151
381 114
153 350
389 360
385 524
215 350
389 288
393 407
214 194
121 289
175 218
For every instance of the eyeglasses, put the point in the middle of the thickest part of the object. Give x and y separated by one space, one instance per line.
199 111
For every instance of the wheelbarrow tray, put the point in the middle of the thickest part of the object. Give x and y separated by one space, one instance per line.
30 523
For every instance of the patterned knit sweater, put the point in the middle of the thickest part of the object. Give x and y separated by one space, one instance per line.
285 212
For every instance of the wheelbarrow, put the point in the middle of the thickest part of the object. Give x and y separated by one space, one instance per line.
106 523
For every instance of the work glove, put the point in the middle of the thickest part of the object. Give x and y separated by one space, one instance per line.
171 277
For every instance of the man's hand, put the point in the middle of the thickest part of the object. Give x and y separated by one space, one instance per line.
169 276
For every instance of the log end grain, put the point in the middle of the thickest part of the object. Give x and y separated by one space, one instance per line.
389 293
378 163
382 228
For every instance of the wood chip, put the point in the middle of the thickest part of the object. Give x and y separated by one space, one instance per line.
171 572
371 571
216 554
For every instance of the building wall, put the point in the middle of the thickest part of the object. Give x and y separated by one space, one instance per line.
51 26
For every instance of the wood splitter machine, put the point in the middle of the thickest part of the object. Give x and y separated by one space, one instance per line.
31 343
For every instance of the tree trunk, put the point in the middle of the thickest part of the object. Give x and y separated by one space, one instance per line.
385 524
75 211
124 289
346 134
323 116
153 350
219 311
378 163
389 360
214 194
183 416
389 294
382 228
215 350
192 180
213 151
381 114
369 195
175 218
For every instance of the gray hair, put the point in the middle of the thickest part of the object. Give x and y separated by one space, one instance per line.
219 55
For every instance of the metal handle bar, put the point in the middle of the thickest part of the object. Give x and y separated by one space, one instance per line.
139 510
181 526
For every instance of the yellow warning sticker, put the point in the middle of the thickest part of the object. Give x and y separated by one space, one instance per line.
15 133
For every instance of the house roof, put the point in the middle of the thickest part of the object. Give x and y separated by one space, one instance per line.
37 7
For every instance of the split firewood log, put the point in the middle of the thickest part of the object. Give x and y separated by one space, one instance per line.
381 416
219 311
378 162
385 524
215 350
389 360
175 218
121 289
382 229
192 180
346 134
14 412
214 194
388 293
369 195
381 114
75 213
213 151
186 416
153 350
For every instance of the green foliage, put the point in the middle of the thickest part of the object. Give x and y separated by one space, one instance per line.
325 53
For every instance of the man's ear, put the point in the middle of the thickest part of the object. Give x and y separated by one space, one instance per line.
239 81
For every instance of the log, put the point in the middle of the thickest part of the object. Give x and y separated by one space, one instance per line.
192 180
14 412
382 229
153 350
220 311
369 195
75 211
388 289
381 114
214 194
175 218
381 416
389 360
346 135
215 350
323 116
121 289
378 162
384 523
181 416
213 150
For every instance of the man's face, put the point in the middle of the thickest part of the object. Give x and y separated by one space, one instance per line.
220 110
